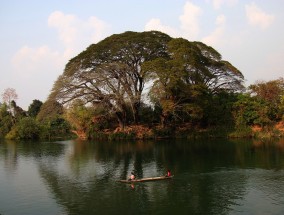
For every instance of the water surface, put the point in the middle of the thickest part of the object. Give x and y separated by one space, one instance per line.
80 177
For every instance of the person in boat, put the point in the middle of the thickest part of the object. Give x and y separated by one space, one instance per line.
132 176
168 173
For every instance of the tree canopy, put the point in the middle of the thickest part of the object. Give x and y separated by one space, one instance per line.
115 71
34 108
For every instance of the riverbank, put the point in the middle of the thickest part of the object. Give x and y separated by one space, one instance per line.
184 131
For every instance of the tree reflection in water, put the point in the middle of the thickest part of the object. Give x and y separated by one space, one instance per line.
211 177
107 162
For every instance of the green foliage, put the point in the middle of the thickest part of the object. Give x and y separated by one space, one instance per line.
240 132
218 111
34 108
13 133
18 112
268 133
148 115
114 72
50 110
270 92
26 128
163 132
55 128
249 111
6 122
98 135
110 73
121 136
187 78
80 116
188 84
281 107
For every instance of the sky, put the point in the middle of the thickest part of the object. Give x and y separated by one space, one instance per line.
38 38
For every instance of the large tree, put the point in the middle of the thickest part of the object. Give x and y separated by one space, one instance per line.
193 73
114 73
110 72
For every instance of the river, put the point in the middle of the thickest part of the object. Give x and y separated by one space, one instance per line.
81 177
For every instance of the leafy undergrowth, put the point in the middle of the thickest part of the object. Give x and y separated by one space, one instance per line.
183 131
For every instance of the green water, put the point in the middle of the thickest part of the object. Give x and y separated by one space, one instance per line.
76 177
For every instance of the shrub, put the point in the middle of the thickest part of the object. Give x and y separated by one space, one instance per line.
28 128
55 128
12 134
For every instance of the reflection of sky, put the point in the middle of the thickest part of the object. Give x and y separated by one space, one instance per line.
150 170
264 193
44 179
23 192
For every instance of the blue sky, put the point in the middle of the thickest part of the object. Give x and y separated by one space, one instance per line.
39 37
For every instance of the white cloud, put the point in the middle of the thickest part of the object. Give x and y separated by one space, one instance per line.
77 34
217 35
66 26
33 72
35 60
40 66
99 29
190 20
217 4
274 66
221 20
189 23
258 17
155 24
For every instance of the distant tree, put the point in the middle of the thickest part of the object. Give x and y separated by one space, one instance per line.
51 120
18 111
26 128
6 122
34 108
249 111
9 95
272 93
54 128
29 128
219 111
50 110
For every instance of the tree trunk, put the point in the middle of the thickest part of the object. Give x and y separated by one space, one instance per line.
121 119
163 120
136 108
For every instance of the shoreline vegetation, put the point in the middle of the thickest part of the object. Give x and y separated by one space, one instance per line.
144 132
147 85
138 132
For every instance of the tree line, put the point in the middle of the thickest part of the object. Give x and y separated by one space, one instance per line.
151 83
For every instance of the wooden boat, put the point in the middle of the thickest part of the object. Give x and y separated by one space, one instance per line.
147 179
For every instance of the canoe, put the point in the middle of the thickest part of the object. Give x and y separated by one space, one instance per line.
147 179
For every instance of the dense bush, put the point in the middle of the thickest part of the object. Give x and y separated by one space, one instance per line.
54 128
26 128
6 121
